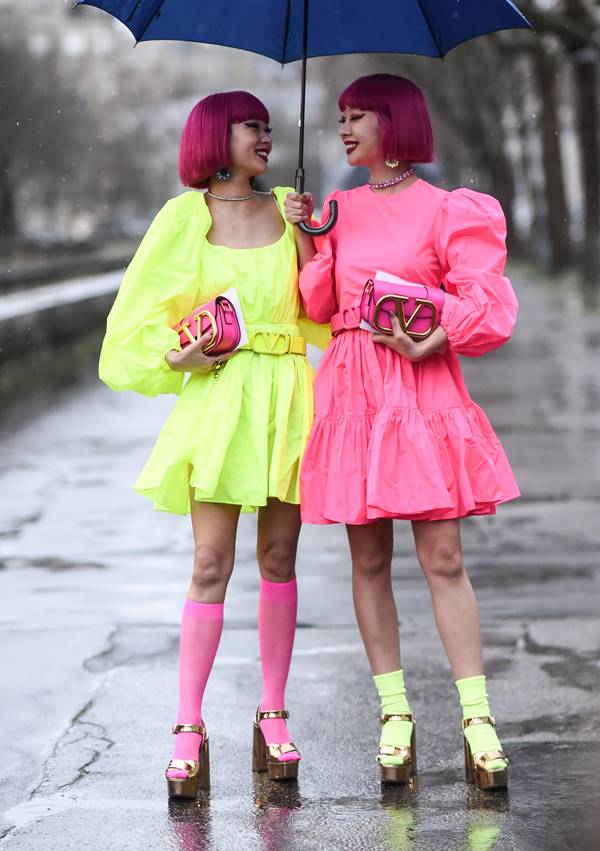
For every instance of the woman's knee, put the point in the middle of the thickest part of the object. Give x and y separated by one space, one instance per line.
212 569
442 563
277 561
371 564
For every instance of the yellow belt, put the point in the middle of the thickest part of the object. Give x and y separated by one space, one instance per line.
275 343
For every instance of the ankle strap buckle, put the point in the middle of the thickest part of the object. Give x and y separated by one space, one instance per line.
189 728
483 757
479 719
396 716
271 713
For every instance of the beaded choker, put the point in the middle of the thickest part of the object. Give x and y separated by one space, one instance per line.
392 181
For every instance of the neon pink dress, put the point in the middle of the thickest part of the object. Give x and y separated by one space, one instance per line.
393 438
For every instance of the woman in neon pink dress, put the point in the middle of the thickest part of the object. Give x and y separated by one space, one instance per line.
396 434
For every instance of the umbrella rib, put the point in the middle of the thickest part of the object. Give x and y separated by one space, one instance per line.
428 22
150 19
286 31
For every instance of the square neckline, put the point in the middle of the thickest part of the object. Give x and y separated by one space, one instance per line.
250 247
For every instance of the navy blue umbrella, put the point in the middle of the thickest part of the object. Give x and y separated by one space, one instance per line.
289 30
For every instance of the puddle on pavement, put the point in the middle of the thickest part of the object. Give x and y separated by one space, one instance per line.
53 564
493 574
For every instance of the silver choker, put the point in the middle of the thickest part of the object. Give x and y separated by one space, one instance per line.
392 181
230 197
240 197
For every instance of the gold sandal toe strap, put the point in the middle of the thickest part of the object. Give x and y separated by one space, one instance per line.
271 713
277 751
190 766
402 751
479 719
189 728
482 758
397 716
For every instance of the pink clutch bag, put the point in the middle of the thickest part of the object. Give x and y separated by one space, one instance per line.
217 316
418 308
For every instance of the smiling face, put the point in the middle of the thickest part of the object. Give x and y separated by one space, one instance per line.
250 145
359 131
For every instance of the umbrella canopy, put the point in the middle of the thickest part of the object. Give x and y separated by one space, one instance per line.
288 30
274 28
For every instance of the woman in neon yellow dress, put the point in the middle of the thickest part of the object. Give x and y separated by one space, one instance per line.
235 438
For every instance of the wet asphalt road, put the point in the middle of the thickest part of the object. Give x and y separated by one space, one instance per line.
92 582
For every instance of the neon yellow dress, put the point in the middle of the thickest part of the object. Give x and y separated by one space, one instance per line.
237 439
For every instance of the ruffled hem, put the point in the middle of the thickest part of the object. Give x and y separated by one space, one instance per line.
247 449
401 463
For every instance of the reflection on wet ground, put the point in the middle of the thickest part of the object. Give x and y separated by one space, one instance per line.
549 807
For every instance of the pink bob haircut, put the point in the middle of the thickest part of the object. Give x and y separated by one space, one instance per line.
401 109
204 146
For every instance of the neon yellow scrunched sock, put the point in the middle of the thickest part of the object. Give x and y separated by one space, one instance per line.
474 702
393 701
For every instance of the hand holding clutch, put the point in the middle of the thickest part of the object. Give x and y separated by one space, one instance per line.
418 308
217 318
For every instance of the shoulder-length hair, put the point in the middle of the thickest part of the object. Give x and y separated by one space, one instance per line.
401 109
204 146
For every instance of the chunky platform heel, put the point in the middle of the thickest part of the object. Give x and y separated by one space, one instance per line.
198 771
476 770
267 757
407 771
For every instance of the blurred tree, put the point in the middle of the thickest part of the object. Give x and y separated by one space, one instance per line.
576 26
61 161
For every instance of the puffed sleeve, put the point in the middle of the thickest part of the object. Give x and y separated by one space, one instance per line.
158 289
317 284
480 307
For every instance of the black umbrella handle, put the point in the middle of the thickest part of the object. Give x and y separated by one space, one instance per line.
333 211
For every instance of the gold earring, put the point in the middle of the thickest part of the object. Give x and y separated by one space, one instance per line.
392 163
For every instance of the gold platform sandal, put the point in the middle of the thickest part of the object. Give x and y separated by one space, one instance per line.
407 771
476 770
266 757
198 771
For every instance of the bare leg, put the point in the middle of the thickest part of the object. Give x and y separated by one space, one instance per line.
456 613
215 527
277 540
278 530
457 617
371 549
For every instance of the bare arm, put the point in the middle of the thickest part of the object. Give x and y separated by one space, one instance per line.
299 208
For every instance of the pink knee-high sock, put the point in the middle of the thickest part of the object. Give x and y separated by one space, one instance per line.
277 606
201 626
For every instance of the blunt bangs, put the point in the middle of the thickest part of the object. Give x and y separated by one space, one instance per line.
204 146
401 109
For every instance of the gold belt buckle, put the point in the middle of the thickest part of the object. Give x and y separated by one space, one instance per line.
270 347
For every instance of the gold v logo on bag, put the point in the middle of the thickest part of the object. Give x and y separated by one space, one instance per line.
185 327
399 301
